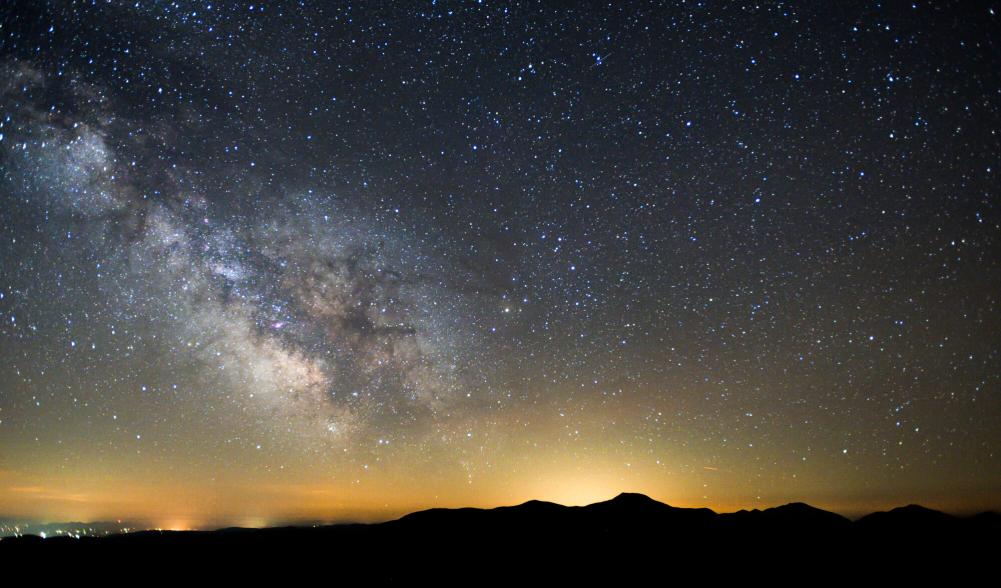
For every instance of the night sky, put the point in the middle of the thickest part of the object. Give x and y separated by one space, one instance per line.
316 261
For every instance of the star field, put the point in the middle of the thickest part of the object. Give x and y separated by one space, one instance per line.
306 261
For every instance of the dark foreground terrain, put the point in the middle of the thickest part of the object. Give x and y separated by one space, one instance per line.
630 537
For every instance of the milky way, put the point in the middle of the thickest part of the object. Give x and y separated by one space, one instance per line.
367 258
320 319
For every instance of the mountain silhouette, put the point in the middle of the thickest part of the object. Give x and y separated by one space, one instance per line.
789 517
630 535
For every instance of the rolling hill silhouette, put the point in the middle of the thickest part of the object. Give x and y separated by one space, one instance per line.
630 535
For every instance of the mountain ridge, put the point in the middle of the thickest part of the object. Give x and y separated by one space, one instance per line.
624 502
630 535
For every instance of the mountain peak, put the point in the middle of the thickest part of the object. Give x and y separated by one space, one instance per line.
535 505
797 507
634 498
